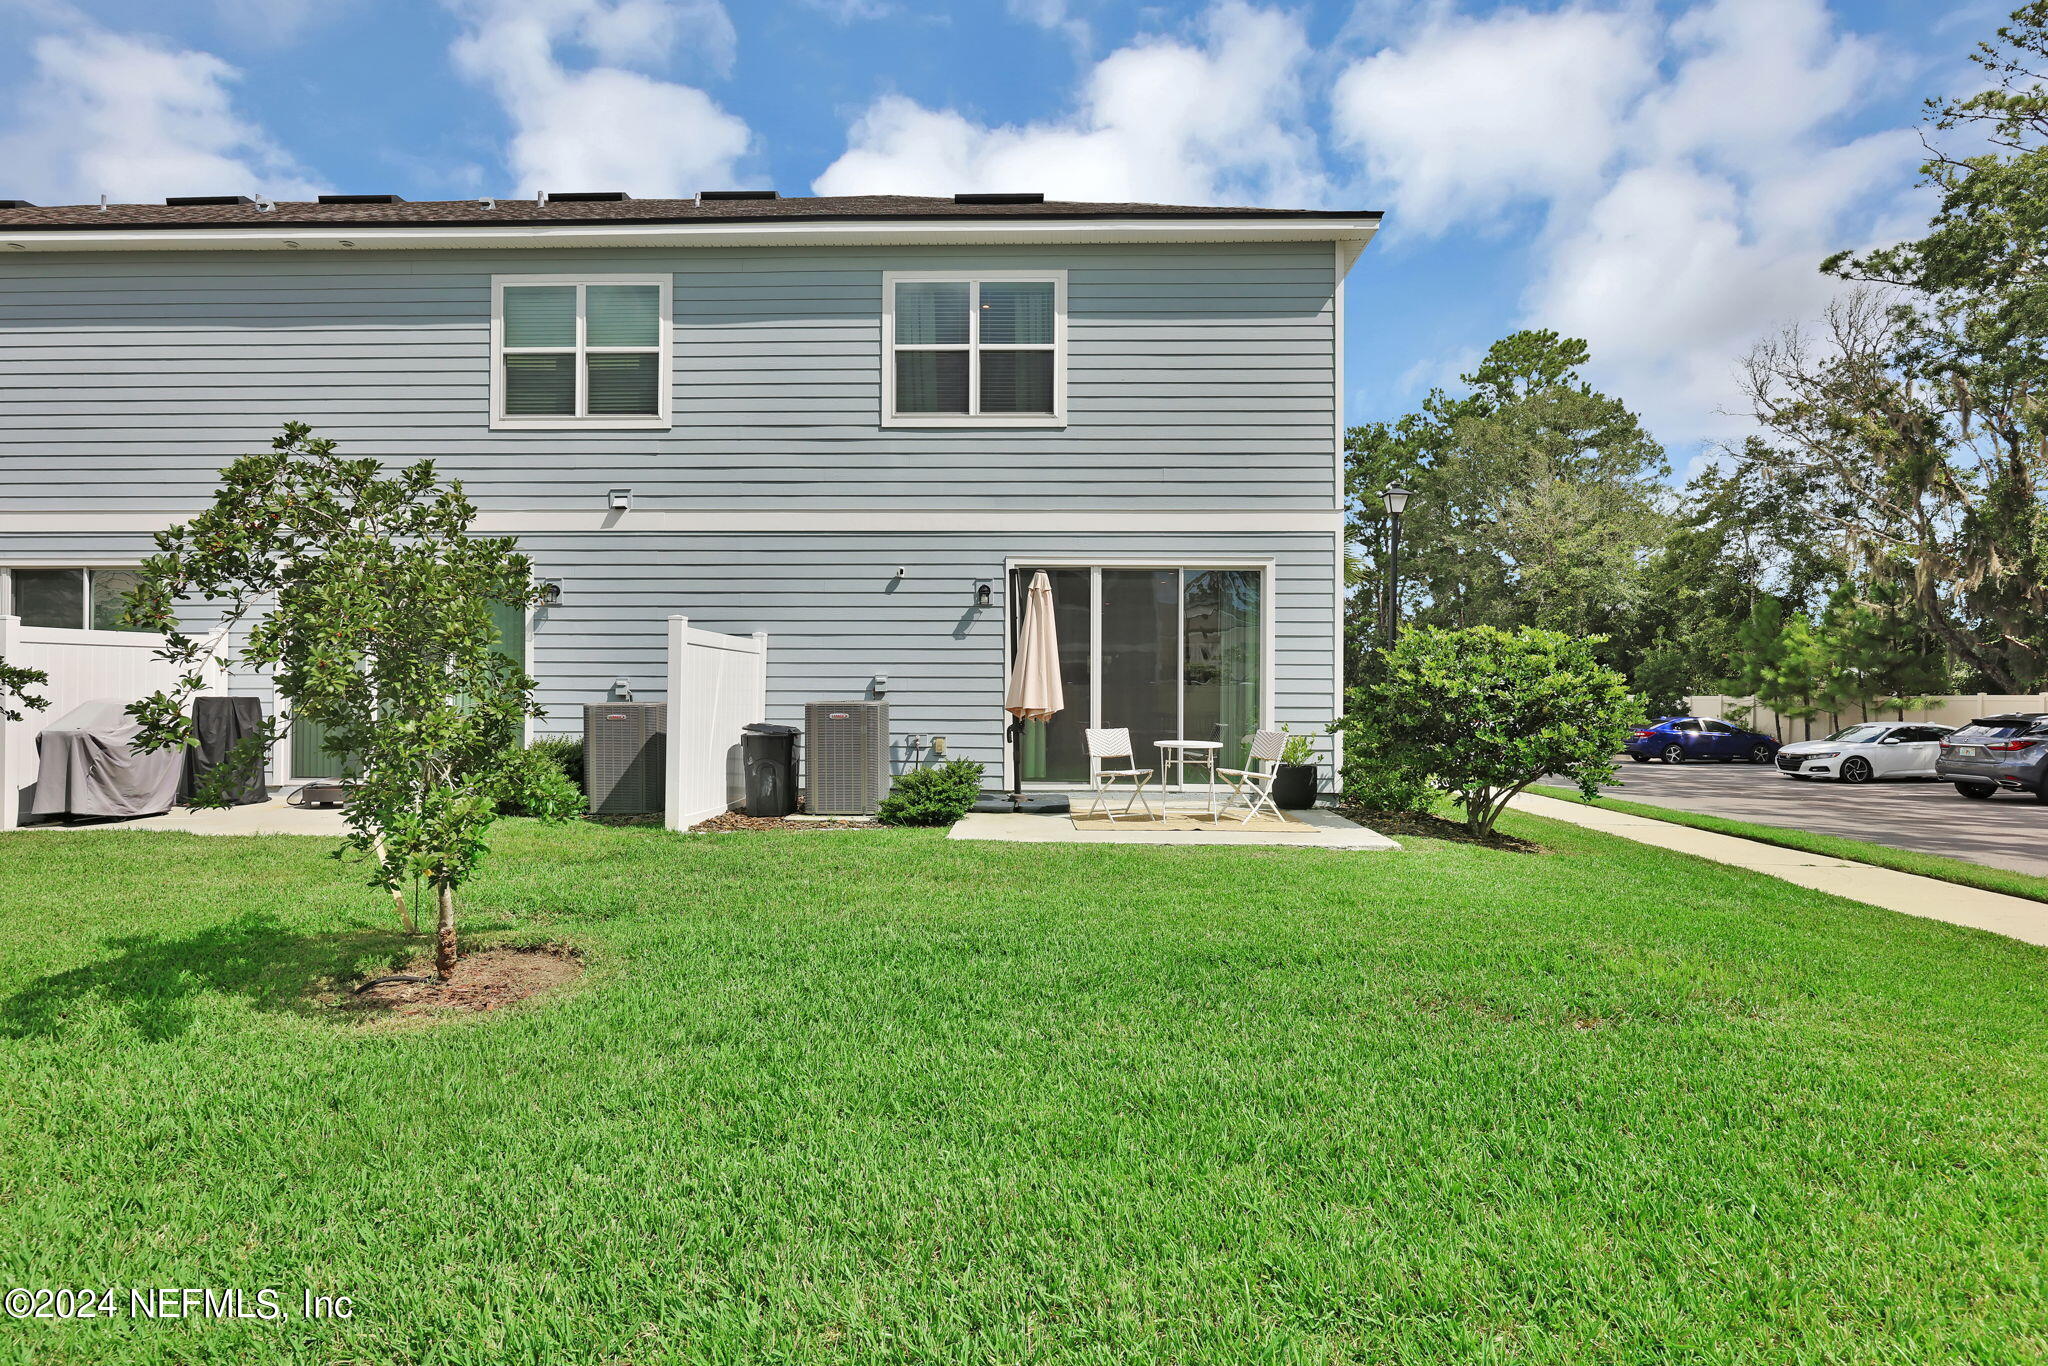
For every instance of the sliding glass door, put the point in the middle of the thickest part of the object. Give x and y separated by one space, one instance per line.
1167 653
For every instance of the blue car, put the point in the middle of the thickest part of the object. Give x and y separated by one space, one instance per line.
1676 739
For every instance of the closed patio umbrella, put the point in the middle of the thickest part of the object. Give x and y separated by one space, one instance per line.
1034 693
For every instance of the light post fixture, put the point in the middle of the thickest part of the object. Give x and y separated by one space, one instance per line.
1395 498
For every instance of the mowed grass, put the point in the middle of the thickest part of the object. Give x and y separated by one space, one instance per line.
1962 872
881 1097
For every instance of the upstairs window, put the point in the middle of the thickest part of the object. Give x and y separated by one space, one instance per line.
580 352
974 349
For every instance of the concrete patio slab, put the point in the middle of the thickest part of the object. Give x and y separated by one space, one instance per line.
1322 830
273 817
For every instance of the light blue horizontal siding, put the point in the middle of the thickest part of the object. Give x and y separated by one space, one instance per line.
1200 378
837 616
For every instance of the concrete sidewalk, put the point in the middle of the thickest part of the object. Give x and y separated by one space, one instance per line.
2012 916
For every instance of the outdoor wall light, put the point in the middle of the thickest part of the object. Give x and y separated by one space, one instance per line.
550 592
984 594
621 500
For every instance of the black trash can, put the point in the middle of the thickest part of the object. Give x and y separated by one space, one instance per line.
769 754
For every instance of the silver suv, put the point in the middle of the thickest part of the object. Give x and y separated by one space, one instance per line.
2008 753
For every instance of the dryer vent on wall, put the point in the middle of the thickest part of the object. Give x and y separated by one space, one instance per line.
846 757
625 757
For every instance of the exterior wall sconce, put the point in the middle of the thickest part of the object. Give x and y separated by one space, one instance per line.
984 594
620 500
550 592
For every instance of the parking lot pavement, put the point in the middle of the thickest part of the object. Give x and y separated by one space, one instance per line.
2004 832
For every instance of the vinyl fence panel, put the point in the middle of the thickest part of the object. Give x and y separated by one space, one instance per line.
717 684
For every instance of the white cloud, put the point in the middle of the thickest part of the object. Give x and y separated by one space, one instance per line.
1216 120
275 23
1687 176
1473 115
110 113
1057 16
605 127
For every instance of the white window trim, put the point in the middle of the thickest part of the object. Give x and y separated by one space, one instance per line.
664 347
1056 418
7 581
1266 566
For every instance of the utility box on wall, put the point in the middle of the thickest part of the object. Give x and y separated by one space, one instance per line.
625 757
846 757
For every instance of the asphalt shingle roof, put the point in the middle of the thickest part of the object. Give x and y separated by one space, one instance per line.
528 213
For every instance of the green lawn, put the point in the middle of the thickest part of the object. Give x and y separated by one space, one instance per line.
1959 871
881 1097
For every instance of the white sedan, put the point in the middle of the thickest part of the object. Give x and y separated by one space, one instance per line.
1874 749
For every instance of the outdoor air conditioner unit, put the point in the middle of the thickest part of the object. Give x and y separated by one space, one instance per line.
625 757
846 757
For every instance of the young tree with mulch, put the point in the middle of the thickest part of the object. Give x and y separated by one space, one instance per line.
364 595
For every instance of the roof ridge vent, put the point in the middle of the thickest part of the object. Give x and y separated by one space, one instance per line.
193 201
1018 197
358 199
586 196
720 196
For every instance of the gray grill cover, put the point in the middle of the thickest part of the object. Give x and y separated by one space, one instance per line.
90 768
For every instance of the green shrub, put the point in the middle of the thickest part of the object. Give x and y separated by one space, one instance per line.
933 796
539 781
1481 713
566 752
1375 780
1299 750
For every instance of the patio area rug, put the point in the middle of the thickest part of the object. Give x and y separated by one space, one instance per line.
1183 821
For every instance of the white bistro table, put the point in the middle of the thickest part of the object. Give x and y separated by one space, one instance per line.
1181 753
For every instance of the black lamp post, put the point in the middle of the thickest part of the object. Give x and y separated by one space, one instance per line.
1396 500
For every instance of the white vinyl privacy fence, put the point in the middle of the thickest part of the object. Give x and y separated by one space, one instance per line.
83 666
717 684
1953 709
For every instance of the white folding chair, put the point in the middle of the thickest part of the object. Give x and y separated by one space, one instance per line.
1104 748
1252 787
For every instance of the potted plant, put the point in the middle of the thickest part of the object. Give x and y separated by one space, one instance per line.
1295 784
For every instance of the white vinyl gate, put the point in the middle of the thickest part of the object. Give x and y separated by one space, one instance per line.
83 666
716 685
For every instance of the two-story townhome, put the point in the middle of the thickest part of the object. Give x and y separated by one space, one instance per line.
854 424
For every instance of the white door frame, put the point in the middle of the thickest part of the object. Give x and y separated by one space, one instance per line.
1264 564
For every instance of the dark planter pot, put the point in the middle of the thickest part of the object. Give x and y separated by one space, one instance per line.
1294 789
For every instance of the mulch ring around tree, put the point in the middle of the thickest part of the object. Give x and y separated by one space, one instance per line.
484 980
1399 823
733 821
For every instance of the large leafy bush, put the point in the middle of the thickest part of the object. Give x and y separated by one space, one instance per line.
932 796
1481 713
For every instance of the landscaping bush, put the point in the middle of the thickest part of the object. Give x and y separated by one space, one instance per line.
538 781
932 796
566 753
1375 780
1481 713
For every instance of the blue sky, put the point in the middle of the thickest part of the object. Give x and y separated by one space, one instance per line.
1660 178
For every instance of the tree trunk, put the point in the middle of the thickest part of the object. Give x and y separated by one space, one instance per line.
444 954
